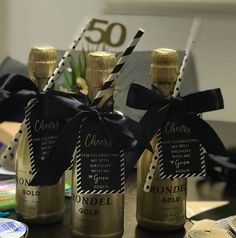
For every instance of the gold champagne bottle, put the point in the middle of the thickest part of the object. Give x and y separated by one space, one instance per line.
37 204
164 207
97 215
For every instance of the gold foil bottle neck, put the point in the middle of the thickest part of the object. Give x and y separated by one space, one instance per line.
99 67
41 64
164 69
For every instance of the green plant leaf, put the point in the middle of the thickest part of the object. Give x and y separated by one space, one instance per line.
68 82
83 62
75 69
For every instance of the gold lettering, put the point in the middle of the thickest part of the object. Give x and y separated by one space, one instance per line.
92 140
172 128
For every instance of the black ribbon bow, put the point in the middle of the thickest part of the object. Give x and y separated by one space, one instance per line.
15 92
187 108
59 159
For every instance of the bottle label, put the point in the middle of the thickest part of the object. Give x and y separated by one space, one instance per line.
99 165
42 134
179 152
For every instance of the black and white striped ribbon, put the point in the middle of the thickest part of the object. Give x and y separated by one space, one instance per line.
117 69
77 166
194 32
8 153
28 111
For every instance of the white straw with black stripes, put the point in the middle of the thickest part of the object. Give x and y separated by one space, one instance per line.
117 69
194 32
9 152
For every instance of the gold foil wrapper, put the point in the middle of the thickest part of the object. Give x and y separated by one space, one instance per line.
37 204
99 67
164 69
96 215
164 207
41 64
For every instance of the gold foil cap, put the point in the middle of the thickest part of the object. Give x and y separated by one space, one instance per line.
41 64
99 67
164 69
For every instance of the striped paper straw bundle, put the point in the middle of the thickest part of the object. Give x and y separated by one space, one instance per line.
195 29
8 154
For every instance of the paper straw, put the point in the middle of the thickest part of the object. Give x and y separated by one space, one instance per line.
117 69
8 153
194 32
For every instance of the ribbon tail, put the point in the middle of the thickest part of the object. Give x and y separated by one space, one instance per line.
207 136
60 157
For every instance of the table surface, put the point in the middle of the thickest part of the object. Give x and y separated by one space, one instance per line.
198 190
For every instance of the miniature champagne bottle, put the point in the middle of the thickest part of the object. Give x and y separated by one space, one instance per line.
37 204
97 215
164 207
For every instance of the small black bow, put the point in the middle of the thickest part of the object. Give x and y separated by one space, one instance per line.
187 107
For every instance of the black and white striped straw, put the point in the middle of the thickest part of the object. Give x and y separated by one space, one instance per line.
9 152
194 32
117 69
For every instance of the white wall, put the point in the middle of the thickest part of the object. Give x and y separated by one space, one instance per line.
3 30
30 22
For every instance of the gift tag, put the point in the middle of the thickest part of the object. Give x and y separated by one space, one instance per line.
179 152
42 134
100 166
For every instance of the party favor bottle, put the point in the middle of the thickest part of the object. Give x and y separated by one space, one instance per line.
40 204
164 207
97 215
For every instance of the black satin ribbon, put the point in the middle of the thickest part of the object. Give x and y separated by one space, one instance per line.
16 82
187 107
15 92
59 159
4 94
